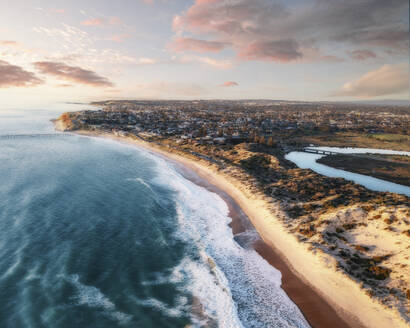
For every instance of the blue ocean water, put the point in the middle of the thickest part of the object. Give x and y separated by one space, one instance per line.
94 233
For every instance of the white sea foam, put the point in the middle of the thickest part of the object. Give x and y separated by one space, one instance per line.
160 279
32 274
17 261
93 297
176 311
141 181
12 268
235 286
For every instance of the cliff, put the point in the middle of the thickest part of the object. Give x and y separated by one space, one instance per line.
68 122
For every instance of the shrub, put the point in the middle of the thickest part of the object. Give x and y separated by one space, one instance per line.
378 272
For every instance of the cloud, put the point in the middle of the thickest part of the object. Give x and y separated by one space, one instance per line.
330 58
147 61
57 11
73 74
387 80
372 23
228 17
215 63
64 85
93 22
80 47
186 44
68 36
115 21
278 51
228 84
119 38
274 30
100 21
362 54
15 76
8 43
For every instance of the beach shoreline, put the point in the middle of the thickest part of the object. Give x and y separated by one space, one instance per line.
325 297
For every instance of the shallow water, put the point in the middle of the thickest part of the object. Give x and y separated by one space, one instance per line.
94 233
308 161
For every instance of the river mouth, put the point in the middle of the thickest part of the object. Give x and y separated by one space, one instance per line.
306 160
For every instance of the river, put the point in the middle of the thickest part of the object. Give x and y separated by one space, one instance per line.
309 161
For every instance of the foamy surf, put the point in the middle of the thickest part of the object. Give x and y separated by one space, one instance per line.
115 237
235 285
93 297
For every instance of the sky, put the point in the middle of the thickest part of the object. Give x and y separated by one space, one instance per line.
315 50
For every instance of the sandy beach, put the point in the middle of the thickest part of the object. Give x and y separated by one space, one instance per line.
326 297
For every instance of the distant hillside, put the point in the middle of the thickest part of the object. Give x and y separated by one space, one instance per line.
385 102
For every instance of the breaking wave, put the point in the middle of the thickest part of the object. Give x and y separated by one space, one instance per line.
235 285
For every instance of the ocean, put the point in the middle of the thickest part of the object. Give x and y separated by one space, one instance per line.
95 233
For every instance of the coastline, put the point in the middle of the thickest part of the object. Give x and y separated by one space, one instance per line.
326 298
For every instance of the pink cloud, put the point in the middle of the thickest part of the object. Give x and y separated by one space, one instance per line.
330 58
15 76
73 74
228 84
239 24
278 51
64 85
8 43
118 37
387 80
229 17
362 54
102 21
189 44
93 22
147 61
212 62
115 21
283 31
57 11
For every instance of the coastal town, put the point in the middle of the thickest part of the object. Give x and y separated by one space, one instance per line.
279 126
265 122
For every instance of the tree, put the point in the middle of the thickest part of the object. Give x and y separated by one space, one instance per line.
270 142
202 131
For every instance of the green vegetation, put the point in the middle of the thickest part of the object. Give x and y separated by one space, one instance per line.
357 139
389 137
391 168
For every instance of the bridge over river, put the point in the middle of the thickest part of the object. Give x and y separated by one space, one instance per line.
311 151
319 151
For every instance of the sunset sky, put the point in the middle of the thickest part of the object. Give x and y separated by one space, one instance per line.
295 49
